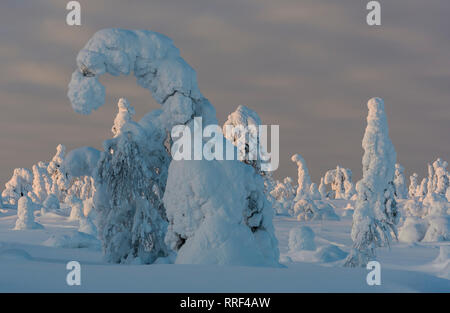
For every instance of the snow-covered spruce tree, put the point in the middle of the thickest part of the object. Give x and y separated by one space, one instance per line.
303 206
18 186
441 177
241 128
158 67
304 181
60 181
314 191
284 194
41 182
25 215
376 214
401 191
422 191
323 189
431 184
131 223
341 182
413 186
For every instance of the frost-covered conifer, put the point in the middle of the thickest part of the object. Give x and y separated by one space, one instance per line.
323 189
18 186
304 181
399 182
422 191
284 194
241 129
60 181
376 214
441 177
25 215
76 208
130 217
315 194
341 182
125 115
41 182
413 186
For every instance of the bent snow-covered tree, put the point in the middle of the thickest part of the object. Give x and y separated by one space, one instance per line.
376 214
158 67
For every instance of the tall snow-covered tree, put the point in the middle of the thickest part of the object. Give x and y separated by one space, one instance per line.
376 213
441 177
413 186
304 181
131 222
323 188
401 191
422 191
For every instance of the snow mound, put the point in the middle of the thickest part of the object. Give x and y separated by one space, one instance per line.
74 240
301 238
218 214
15 254
330 253
442 262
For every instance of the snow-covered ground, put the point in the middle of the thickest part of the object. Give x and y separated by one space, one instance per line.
35 261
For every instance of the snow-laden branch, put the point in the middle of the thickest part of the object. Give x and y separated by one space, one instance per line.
154 61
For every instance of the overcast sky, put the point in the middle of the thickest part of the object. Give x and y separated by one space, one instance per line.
308 65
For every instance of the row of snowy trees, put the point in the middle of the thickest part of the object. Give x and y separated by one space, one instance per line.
149 208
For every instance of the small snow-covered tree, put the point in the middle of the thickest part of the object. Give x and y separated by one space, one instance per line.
441 174
399 182
125 115
323 189
413 186
376 213
422 191
18 186
284 194
241 129
130 217
303 206
60 181
76 208
314 191
341 182
41 182
25 215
